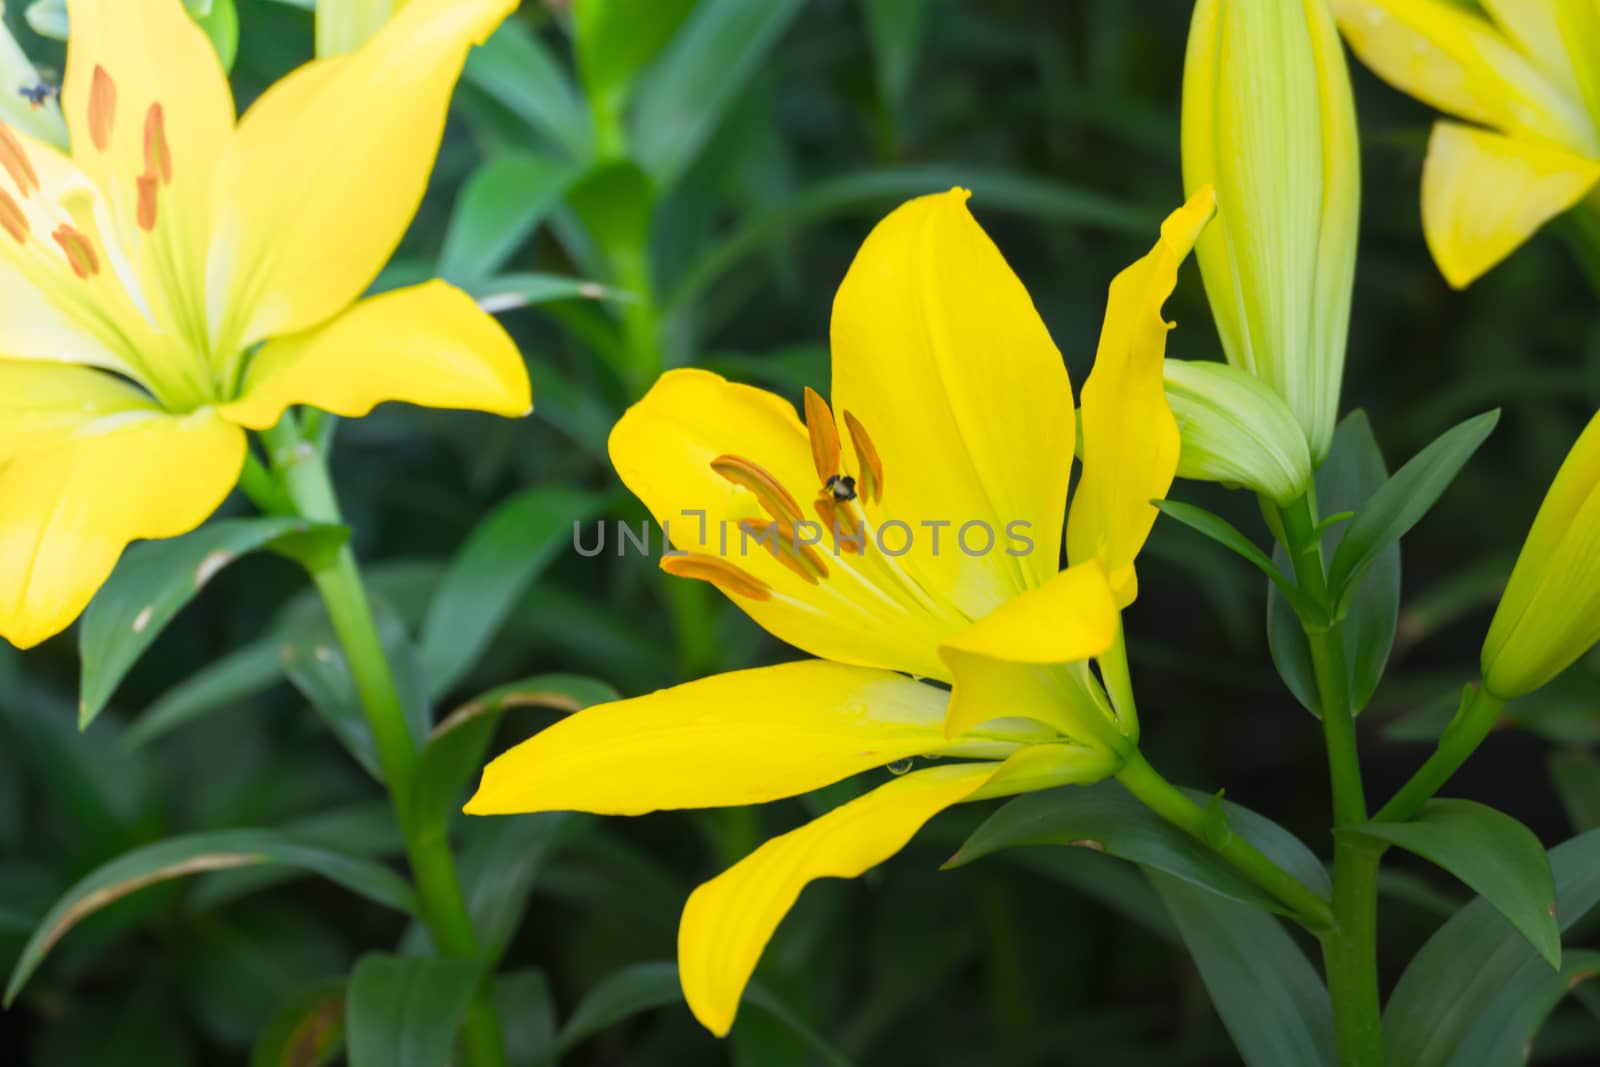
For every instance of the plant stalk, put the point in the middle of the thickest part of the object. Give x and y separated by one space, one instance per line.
1479 711
1167 801
444 910
1350 948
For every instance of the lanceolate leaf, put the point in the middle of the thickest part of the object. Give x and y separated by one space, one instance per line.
225 682
1457 980
490 573
1228 536
503 201
178 857
1269 996
1492 853
153 583
1352 472
307 1031
1404 499
518 71
1106 818
403 1011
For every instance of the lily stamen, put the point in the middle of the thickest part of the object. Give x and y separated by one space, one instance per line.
78 250
719 572
775 500
783 542
102 108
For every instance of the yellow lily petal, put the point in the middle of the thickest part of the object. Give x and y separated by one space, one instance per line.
746 737
1130 438
1459 62
938 351
325 171
729 920
1483 194
1006 665
149 109
71 508
428 345
1535 27
664 447
42 403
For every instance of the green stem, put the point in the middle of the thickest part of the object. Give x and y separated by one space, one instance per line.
1167 801
1350 949
1479 711
305 479
641 326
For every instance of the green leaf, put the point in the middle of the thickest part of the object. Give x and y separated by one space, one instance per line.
527 1011
616 39
178 857
500 205
505 858
896 28
1106 818
220 20
1511 1021
306 1031
1228 536
1494 854
507 292
516 69
225 682
708 64
1037 199
454 754
1576 776
314 663
1457 979
507 551
1270 998
1348 478
1403 500
152 583
403 1011
636 988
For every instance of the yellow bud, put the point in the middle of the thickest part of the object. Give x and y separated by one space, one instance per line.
1549 614
1236 431
1268 119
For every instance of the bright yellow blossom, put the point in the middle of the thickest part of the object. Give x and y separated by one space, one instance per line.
180 277
1526 76
1549 614
955 416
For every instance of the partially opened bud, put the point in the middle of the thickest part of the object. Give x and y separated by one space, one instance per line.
1236 431
1549 614
1268 119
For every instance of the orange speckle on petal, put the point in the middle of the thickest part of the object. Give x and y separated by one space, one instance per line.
102 108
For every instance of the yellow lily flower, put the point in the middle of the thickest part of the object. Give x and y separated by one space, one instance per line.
1527 77
956 422
1549 614
180 277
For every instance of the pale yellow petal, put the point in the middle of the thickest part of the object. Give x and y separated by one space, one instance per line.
41 404
729 920
745 737
1460 62
1130 438
326 170
1483 194
939 352
1534 26
71 508
428 345
664 447
1011 663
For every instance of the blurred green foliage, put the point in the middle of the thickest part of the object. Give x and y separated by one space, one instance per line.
687 186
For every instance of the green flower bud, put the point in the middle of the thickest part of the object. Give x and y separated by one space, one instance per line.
1268 119
1236 431
1549 614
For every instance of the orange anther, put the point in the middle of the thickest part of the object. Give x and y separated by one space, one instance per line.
15 161
824 435
79 252
779 539
157 153
871 465
774 498
102 108
12 220
149 186
841 522
719 572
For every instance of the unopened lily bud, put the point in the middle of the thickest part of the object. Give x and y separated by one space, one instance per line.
1549 614
1237 431
1269 121
345 25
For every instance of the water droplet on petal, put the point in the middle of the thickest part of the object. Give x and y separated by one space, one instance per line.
899 766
